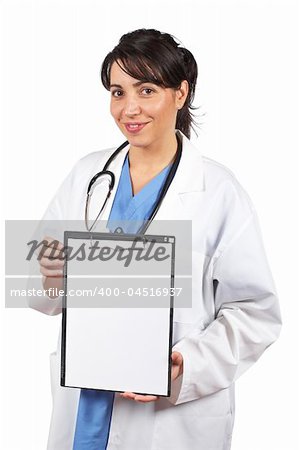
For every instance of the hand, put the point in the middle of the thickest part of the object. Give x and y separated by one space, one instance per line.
51 263
176 371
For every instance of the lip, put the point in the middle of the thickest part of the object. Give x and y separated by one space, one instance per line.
135 127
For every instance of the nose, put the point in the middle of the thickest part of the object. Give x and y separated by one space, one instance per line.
131 107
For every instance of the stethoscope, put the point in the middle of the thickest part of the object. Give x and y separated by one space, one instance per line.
110 177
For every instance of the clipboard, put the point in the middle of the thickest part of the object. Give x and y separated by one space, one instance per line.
120 338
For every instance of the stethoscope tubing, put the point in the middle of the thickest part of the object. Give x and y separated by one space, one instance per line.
106 172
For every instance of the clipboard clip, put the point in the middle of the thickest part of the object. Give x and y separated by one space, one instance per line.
144 241
91 243
119 230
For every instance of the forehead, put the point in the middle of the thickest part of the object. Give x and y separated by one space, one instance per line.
119 78
117 75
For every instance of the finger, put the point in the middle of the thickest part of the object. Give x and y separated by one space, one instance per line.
139 397
51 253
175 371
176 357
51 248
177 365
51 264
128 395
50 273
54 242
145 398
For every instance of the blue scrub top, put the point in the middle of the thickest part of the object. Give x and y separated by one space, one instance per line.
128 212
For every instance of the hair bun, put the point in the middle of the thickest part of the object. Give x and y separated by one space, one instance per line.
186 54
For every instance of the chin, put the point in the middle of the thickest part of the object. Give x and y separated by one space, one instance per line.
139 141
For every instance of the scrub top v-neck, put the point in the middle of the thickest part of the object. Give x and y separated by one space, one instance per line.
128 212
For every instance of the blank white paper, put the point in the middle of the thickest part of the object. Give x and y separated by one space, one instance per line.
118 348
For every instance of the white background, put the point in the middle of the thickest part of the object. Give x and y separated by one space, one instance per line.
55 110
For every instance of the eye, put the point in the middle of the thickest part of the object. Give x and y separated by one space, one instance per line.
116 93
147 90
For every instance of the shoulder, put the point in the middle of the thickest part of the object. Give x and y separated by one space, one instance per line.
222 183
95 158
90 164
218 182
217 173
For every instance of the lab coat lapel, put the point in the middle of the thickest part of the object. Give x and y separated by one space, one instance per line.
186 187
189 179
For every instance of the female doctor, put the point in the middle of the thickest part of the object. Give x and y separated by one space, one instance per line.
235 313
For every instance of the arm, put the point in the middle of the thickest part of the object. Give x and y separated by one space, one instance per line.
51 224
247 319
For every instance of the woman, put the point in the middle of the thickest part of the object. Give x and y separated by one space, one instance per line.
234 315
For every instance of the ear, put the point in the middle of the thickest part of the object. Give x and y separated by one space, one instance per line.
181 94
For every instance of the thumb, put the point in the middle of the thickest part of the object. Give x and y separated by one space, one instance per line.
176 358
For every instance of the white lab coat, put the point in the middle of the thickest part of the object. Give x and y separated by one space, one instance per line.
234 316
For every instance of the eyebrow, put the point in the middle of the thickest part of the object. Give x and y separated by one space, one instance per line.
138 83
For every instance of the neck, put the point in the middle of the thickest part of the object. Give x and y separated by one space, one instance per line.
157 155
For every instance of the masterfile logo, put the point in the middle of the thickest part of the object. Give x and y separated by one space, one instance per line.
98 251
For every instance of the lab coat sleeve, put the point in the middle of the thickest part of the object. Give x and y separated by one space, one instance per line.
247 319
51 225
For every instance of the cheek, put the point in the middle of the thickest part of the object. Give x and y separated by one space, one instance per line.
163 109
115 110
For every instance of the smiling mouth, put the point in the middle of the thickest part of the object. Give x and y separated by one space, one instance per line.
134 127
